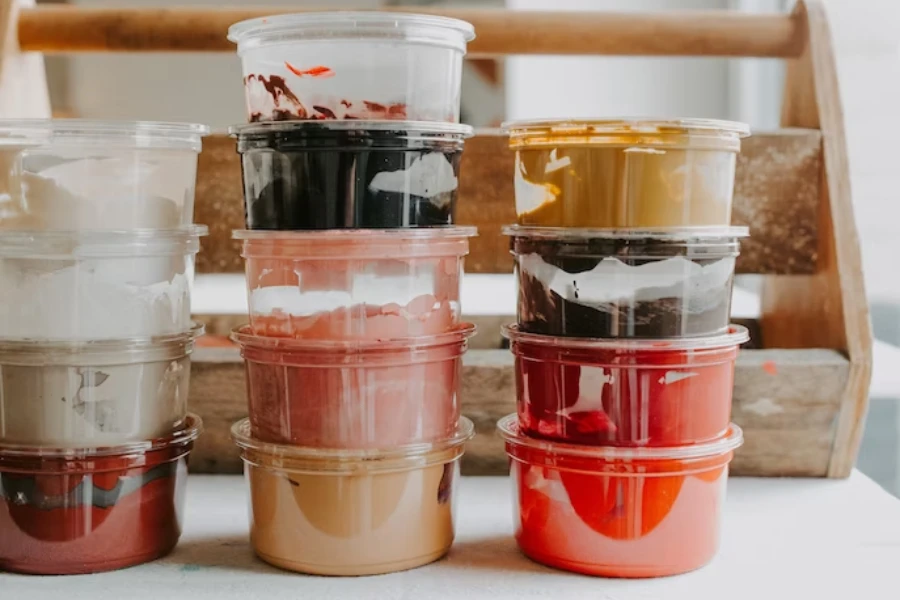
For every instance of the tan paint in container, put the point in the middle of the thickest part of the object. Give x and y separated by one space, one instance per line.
340 512
625 173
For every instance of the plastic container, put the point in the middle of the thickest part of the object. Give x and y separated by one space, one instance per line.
354 284
99 175
350 174
625 393
91 394
625 172
65 512
96 285
377 394
624 284
333 512
618 512
352 65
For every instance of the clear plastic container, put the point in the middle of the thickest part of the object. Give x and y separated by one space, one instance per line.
332 512
350 174
625 393
83 175
92 394
625 172
350 395
96 285
65 512
618 512
624 284
352 65
354 284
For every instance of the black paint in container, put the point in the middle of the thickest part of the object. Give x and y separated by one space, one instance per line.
605 283
302 175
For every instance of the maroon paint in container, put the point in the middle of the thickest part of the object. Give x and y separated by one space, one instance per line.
65 512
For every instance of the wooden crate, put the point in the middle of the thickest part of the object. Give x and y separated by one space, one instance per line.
801 389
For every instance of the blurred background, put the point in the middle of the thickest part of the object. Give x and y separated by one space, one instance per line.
866 35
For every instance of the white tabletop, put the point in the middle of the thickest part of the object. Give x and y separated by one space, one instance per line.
784 538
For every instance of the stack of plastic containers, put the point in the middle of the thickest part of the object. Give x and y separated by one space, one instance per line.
354 347
624 354
96 265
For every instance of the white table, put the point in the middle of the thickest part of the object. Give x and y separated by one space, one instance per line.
784 538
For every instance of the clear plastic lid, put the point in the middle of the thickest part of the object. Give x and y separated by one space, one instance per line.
735 336
88 132
38 353
68 245
680 235
244 336
421 128
134 451
349 462
429 30
508 428
694 133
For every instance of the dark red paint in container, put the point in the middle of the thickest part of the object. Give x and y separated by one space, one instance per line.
68 511
625 392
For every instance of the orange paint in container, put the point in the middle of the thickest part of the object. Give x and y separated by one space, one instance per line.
618 512
625 392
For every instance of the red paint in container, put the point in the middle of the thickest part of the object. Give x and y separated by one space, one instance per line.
66 512
354 395
625 392
618 512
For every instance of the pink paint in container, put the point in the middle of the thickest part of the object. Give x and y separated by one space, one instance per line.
353 394
346 285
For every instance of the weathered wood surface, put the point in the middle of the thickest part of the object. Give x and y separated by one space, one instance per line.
777 189
500 32
787 401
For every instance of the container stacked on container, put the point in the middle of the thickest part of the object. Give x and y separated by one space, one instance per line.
353 351
96 266
624 353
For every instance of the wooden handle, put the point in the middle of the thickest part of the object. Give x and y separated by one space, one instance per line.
500 32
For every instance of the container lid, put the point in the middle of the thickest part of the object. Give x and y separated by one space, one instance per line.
190 431
702 234
362 244
509 428
324 126
735 336
69 245
30 352
672 133
244 336
428 30
89 132
349 462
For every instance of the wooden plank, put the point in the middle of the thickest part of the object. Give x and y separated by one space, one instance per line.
787 400
500 32
776 195
829 310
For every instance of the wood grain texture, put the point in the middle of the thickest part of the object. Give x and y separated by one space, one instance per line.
777 188
830 309
788 402
500 32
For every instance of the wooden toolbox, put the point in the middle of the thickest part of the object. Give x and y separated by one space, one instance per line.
801 387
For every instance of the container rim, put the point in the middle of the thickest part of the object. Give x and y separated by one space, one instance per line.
424 128
338 236
674 234
625 126
736 335
509 429
339 460
156 134
189 432
98 243
461 333
43 349
361 25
